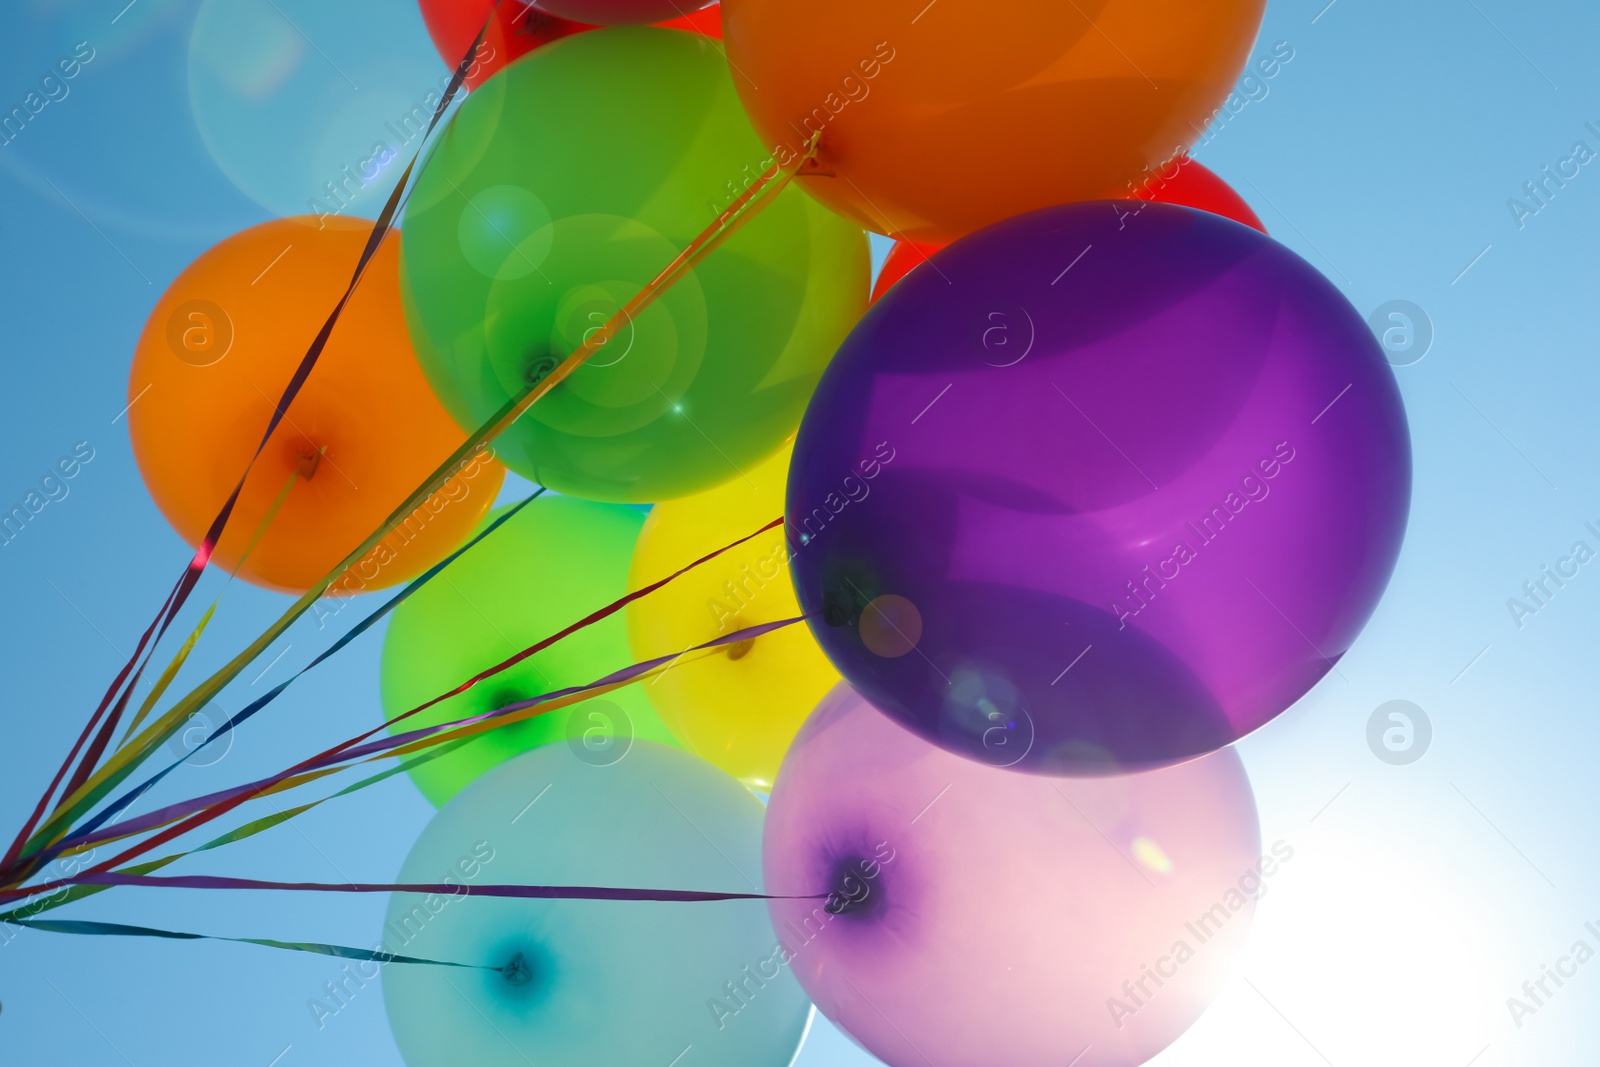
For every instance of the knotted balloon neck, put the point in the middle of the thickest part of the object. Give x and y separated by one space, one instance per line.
851 890
517 971
306 462
539 368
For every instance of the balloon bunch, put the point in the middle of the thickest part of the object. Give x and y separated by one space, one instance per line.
978 583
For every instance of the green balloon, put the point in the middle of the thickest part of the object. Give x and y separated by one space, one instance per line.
563 186
553 563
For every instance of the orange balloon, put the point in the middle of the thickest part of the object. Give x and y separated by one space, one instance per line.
939 118
215 357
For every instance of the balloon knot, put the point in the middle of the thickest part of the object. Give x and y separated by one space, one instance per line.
539 369
517 971
306 463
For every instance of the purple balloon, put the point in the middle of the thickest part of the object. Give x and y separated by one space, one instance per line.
1091 492
975 917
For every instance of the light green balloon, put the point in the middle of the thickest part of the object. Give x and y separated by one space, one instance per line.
563 186
553 563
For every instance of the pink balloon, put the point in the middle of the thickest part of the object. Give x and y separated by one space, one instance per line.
980 916
620 12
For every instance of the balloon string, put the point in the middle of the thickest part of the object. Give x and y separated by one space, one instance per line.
354 632
101 929
62 820
271 514
511 661
185 585
238 833
379 955
462 889
746 206
404 743
521 710
442 734
446 737
103 736
191 575
8 861
266 519
158 690
593 617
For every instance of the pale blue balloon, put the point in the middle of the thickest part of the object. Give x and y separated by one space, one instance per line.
309 106
593 983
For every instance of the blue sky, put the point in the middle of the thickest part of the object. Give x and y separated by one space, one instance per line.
1386 152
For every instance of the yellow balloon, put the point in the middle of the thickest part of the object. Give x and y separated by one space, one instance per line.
740 706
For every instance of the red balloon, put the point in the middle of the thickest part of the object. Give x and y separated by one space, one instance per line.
518 28
902 257
618 12
1184 182
707 21
1189 184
